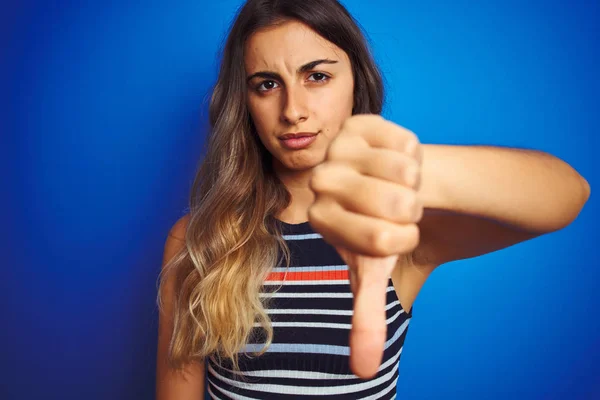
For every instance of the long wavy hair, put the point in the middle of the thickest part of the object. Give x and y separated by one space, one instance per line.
233 238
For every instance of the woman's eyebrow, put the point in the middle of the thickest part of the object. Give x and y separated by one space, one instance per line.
306 67
313 64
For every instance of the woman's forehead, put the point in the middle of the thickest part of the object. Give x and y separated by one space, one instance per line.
290 44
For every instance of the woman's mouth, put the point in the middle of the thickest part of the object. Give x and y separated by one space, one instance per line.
297 141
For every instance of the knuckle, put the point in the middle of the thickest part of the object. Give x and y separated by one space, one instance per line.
318 180
403 206
375 118
411 174
411 240
412 163
410 200
355 122
315 214
416 177
415 137
396 204
349 122
396 164
412 135
418 211
336 151
379 242
418 215
408 134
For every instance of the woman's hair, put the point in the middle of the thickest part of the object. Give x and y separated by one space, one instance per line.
233 238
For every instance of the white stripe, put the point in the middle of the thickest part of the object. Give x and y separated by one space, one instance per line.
307 390
212 395
398 333
301 324
231 395
303 236
299 374
307 325
314 282
294 311
317 348
298 348
307 295
393 317
311 295
383 392
312 268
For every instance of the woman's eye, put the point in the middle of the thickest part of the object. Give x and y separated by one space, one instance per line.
318 77
266 85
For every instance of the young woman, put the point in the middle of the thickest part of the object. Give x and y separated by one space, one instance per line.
314 222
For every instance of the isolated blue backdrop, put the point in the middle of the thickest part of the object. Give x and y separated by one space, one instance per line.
103 111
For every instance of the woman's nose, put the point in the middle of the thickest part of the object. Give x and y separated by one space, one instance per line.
294 108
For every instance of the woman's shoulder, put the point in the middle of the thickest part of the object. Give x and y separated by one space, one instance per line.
175 240
179 228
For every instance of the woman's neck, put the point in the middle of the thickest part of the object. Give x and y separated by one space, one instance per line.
297 183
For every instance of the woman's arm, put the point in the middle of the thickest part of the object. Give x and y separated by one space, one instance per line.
479 199
171 384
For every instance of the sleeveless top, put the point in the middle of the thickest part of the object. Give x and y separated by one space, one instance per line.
311 314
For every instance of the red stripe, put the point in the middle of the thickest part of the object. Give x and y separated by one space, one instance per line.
308 276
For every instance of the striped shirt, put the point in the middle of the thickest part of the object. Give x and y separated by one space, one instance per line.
311 314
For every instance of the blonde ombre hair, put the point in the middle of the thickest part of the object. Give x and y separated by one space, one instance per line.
233 238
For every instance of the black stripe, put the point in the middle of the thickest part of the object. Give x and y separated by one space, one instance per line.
304 251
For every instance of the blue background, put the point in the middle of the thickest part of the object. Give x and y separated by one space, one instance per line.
103 114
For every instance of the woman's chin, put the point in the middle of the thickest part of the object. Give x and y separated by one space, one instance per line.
300 162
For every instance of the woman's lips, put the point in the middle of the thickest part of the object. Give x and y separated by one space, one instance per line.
299 141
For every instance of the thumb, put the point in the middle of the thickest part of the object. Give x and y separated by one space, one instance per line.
369 328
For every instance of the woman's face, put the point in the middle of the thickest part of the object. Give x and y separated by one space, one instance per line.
298 82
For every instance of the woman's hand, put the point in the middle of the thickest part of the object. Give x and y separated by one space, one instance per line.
366 206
